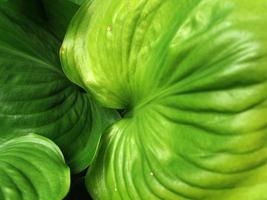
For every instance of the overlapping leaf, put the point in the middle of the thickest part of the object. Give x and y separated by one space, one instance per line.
32 167
78 2
191 76
31 8
35 95
59 13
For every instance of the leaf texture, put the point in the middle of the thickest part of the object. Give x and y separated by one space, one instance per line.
32 167
35 95
191 76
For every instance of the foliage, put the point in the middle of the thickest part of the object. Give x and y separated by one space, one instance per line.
188 77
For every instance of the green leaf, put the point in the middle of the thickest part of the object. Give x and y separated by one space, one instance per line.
35 95
79 2
191 76
59 13
32 167
31 8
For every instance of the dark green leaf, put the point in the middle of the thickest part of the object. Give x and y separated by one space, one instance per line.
59 13
32 9
35 95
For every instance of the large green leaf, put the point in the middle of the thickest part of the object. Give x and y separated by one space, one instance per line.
35 95
59 13
191 76
32 167
33 9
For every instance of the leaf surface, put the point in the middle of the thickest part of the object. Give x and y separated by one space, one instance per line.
191 76
59 13
35 95
32 167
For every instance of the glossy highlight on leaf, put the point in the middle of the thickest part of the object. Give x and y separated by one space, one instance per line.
32 167
192 77
35 95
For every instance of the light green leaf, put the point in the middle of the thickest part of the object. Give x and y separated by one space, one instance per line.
32 167
35 95
191 76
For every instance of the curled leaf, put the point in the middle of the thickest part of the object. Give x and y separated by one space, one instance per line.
32 167
191 76
35 95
